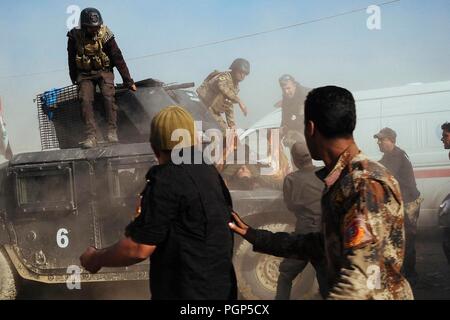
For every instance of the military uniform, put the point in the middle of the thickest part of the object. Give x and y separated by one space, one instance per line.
363 232
91 63
219 92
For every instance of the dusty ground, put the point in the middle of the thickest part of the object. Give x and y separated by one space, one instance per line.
433 269
433 282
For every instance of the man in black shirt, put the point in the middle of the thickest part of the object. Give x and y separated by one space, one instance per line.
182 224
397 162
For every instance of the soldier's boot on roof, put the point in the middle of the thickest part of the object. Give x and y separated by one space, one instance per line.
89 143
112 136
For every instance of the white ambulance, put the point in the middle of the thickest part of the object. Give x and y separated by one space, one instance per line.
416 112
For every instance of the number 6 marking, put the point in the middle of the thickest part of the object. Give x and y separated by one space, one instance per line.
61 238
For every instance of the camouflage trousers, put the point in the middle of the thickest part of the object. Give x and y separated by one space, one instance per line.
412 210
86 86
220 120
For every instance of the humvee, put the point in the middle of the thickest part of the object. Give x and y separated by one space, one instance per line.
56 202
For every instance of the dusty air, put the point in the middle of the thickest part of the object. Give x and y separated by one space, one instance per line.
301 155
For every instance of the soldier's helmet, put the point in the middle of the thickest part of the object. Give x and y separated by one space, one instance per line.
241 65
90 17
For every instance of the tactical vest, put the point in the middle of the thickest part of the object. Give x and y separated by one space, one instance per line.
205 91
90 55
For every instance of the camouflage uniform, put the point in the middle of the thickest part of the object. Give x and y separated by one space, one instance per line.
91 62
219 92
363 234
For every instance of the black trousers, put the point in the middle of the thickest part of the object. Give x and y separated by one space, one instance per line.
290 269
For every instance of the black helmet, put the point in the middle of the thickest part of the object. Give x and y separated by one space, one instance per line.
90 17
241 65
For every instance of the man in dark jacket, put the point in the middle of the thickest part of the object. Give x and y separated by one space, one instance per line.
181 224
302 191
92 54
292 114
397 162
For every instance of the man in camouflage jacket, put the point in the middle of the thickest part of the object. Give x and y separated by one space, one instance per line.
219 91
362 238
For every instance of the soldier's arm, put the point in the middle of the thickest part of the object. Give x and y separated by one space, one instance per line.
150 228
281 244
71 54
115 55
361 248
225 86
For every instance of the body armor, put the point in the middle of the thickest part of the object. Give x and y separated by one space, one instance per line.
90 55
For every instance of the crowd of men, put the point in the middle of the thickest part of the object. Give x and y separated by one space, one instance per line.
355 216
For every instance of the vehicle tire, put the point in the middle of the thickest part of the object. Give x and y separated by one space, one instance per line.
257 273
8 278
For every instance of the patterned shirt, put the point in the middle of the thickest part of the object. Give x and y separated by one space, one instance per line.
218 93
363 232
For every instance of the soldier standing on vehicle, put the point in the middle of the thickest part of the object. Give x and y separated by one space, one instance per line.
219 91
362 238
292 110
397 162
182 222
92 54
302 191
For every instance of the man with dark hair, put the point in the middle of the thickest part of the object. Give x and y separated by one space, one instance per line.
446 136
444 210
302 192
292 116
181 223
362 209
397 162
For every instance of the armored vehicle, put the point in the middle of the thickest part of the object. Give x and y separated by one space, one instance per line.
56 202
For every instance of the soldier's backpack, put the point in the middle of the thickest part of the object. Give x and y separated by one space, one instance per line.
204 91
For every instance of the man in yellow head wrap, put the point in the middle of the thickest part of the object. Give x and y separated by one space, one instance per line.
183 221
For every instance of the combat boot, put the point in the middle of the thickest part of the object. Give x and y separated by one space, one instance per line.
89 143
112 136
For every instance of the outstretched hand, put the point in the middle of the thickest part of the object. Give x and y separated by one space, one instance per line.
243 108
238 225
88 260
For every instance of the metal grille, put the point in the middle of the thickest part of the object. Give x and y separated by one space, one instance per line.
56 109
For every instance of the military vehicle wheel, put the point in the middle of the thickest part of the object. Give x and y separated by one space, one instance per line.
8 278
257 273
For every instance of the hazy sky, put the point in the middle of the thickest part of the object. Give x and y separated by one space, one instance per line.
412 46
